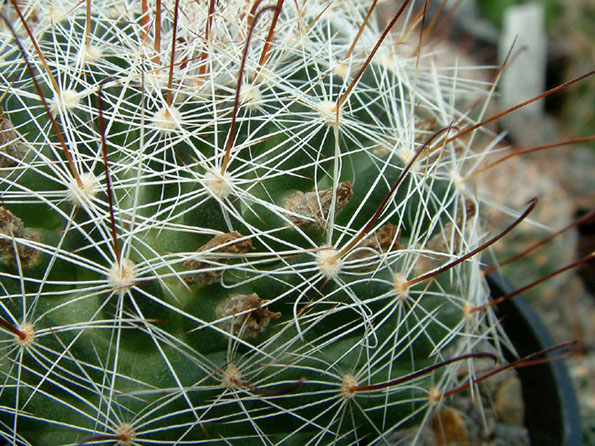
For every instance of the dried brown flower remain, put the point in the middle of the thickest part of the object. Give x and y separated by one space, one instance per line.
208 268
255 318
385 239
11 148
12 228
314 207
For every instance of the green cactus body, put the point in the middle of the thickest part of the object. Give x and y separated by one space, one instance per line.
238 305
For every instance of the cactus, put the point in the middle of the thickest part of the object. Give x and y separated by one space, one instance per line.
233 223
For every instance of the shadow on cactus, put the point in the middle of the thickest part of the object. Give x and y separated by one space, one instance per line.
234 224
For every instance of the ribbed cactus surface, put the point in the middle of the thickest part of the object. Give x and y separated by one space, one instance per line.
219 224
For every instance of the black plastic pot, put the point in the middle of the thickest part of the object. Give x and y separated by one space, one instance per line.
551 410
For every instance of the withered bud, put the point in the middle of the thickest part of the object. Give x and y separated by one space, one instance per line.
384 240
219 244
12 228
250 324
316 205
11 148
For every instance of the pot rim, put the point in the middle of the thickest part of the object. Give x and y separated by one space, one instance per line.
552 414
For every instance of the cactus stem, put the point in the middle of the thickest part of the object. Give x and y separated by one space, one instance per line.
249 156
357 77
53 121
584 219
434 273
356 240
531 150
532 284
236 105
421 372
510 110
525 361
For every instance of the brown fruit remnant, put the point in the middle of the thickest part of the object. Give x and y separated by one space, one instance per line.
385 239
11 148
255 318
447 241
220 244
11 228
449 428
316 205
